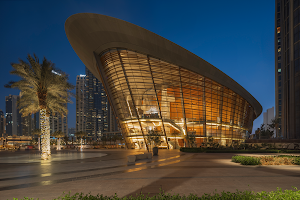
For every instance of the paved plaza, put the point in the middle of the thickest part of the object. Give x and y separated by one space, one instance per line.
107 172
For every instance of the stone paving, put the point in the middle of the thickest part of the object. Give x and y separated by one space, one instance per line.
107 172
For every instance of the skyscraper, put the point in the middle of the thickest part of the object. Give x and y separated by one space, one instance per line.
26 124
93 112
1 123
13 118
96 106
287 67
36 120
80 103
268 117
58 123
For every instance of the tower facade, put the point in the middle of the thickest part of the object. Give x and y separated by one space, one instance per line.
96 106
13 118
2 123
26 123
287 68
80 103
58 123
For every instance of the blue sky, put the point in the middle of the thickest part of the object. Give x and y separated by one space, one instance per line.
235 36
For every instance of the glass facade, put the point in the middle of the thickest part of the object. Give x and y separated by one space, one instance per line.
287 68
150 94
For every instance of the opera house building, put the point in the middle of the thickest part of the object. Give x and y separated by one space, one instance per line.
154 84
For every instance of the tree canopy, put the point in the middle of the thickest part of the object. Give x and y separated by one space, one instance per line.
58 134
80 134
42 86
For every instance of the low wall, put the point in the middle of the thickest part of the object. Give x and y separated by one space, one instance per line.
279 144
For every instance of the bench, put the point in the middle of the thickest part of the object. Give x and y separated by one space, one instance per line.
133 158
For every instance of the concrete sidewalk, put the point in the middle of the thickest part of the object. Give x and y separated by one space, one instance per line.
107 172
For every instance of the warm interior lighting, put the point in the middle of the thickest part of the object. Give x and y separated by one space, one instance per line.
172 99
45 135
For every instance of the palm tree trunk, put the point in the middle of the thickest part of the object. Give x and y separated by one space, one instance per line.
81 143
58 144
45 134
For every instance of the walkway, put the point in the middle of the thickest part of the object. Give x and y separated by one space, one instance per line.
107 172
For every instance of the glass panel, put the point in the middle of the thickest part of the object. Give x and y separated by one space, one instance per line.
153 95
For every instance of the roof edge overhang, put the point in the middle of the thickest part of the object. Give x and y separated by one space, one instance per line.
90 33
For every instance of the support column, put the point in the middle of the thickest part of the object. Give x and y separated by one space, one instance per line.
137 115
105 84
220 111
204 108
182 104
158 104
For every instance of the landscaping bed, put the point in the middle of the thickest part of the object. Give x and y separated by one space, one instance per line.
278 194
267 160
209 150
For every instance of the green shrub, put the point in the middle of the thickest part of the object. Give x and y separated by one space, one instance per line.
297 160
209 150
237 159
246 160
192 150
250 161
278 194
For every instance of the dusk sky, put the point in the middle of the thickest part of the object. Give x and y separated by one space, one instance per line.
235 36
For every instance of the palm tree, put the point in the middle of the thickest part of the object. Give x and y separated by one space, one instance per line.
37 132
59 135
44 88
80 134
66 139
103 139
175 134
114 139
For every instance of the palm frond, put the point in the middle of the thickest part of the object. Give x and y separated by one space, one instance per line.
40 87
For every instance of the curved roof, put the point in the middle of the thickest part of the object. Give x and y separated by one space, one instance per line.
89 33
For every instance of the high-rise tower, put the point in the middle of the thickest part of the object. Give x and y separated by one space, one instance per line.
2 124
58 123
287 67
96 106
13 118
80 103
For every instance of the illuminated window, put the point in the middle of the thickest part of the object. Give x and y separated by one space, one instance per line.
279 70
278 29
279 49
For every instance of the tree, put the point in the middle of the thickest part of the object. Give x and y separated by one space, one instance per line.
154 136
175 134
257 133
115 138
274 125
265 133
191 138
44 88
103 139
66 139
59 135
37 132
80 134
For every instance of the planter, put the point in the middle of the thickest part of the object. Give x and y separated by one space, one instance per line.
131 159
155 151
